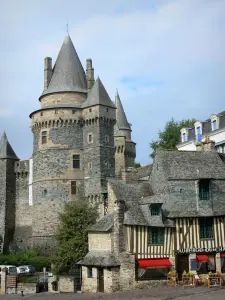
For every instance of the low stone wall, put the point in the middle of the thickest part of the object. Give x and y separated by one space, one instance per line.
27 288
145 284
66 284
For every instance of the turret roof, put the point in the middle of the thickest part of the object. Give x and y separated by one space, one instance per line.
98 96
6 150
120 114
68 72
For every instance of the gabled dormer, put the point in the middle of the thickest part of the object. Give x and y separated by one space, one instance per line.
214 122
198 131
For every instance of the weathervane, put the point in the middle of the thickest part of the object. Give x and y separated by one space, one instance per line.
67 27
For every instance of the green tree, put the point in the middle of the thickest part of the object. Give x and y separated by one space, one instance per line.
169 137
137 165
71 235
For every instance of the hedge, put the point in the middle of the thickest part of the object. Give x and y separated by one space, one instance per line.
26 258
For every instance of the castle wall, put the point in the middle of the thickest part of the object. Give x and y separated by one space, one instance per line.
23 217
2 197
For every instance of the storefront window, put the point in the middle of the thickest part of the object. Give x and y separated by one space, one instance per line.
152 273
204 267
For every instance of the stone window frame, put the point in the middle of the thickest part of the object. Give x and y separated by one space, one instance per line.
90 141
73 187
44 137
155 209
214 119
89 272
90 165
76 160
73 111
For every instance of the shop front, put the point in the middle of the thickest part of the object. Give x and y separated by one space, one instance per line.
200 260
153 269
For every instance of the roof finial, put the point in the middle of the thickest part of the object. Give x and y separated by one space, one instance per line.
67 28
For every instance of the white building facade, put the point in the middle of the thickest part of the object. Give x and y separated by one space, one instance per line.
213 128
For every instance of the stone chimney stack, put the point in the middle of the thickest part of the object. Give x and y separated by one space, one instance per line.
118 230
206 146
89 74
47 71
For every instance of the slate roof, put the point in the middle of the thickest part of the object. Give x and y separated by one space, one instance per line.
141 173
68 73
98 96
121 118
99 258
189 165
6 151
104 224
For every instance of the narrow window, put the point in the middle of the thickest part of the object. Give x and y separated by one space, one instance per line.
76 161
90 139
155 210
73 187
199 136
44 137
89 272
90 165
214 125
107 138
73 111
206 228
156 236
41 114
102 182
107 109
90 109
56 111
204 189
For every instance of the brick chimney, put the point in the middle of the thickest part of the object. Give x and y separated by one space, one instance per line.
206 146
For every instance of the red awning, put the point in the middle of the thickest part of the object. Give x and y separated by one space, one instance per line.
154 263
202 257
222 254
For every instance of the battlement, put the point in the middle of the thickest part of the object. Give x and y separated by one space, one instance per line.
21 168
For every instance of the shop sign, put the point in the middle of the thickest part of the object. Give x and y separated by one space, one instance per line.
199 250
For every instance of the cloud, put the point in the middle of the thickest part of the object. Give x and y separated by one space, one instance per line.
167 58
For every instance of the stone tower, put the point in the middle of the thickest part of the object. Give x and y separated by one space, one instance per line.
99 163
58 162
125 150
8 159
73 148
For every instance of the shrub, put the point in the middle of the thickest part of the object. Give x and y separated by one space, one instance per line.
26 258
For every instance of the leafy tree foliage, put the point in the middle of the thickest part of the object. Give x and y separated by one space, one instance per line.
137 165
71 235
169 137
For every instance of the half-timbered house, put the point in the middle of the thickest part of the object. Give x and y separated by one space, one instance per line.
171 218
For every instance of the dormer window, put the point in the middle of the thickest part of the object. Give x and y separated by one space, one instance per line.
198 131
214 125
184 135
204 189
155 209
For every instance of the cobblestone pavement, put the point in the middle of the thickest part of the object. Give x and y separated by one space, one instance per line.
159 293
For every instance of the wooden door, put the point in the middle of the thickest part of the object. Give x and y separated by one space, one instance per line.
182 265
101 280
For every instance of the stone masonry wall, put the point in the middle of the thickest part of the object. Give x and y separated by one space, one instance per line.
23 219
2 197
99 241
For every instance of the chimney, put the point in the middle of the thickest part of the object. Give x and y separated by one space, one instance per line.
206 146
47 71
118 230
89 74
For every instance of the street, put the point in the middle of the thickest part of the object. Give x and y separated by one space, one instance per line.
158 293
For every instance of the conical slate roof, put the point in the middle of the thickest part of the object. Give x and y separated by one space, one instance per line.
98 96
121 118
68 72
6 150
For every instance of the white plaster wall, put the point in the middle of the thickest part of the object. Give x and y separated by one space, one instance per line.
187 147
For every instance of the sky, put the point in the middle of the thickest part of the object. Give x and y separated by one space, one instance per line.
165 57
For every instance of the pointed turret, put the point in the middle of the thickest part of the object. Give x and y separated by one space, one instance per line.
120 115
98 96
68 73
6 150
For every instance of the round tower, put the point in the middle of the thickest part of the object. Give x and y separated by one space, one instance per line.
57 128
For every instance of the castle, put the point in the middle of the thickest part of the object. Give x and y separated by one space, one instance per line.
80 139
